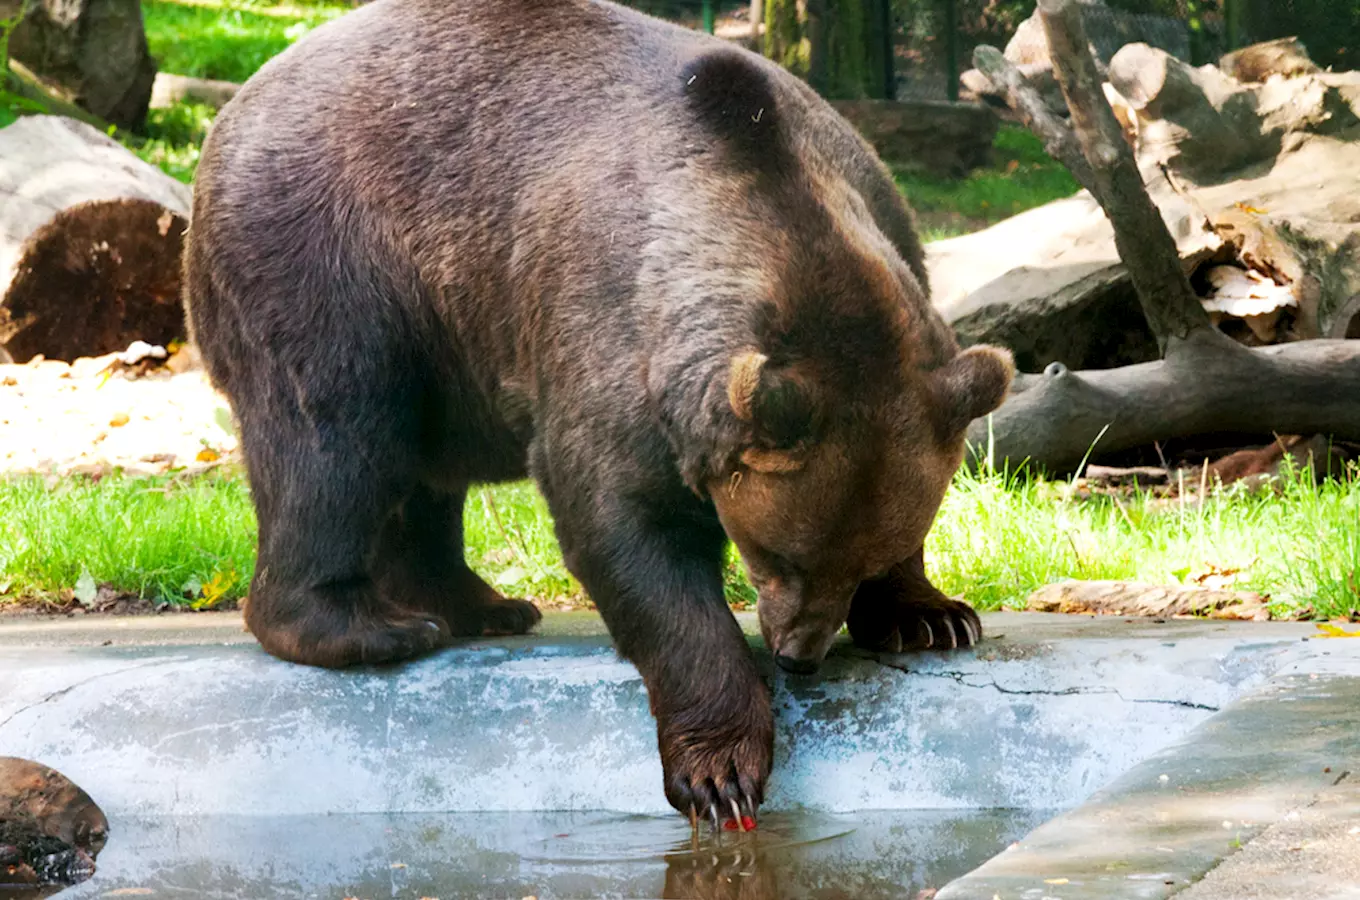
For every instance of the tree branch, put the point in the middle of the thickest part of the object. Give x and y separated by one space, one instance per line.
1145 245
1029 104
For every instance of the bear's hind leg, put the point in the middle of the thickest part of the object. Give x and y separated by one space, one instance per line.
423 567
321 495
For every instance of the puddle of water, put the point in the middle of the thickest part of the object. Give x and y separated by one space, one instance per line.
816 856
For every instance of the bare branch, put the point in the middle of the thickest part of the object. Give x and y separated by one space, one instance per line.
1029 104
1145 245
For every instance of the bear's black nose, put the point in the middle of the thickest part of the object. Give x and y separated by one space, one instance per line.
795 665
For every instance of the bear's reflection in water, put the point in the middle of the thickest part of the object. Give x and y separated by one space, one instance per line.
793 855
736 873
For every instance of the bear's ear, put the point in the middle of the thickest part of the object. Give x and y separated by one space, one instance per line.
968 387
776 405
734 97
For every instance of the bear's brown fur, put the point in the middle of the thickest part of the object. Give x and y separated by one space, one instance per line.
436 244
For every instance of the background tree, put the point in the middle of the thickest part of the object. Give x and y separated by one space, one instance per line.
842 47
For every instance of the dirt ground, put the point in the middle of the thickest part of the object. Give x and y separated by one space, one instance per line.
96 415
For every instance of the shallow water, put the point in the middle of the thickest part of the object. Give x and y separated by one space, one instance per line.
879 854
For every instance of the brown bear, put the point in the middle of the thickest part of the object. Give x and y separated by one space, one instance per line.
436 244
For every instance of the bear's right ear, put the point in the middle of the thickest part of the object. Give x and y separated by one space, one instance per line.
733 97
777 407
968 387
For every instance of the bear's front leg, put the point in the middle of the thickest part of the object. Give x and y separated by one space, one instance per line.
904 611
657 581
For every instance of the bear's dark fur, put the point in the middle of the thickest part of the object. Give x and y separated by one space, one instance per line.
436 244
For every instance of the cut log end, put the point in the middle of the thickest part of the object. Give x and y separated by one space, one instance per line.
95 278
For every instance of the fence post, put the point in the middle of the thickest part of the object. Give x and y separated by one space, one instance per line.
885 23
1232 23
951 46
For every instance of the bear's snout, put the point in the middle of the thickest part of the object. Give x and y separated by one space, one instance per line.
797 665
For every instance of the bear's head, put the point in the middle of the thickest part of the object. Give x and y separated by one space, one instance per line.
829 491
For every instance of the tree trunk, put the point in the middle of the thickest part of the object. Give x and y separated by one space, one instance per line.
757 20
90 241
784 35
171 89
94 50
818 38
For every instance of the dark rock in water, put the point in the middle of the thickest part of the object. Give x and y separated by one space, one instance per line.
50 830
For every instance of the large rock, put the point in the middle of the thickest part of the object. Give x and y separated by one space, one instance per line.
949 139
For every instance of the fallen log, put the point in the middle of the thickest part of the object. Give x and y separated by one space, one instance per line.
170 89
1125 598
90 241
1204 382
1204 385
1285 57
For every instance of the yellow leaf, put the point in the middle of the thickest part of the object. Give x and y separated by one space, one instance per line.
1332 631
1055 881
119 419
216 587
207 454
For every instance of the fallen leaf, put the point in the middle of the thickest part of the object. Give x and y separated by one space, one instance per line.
1056 881
119 420
207 455
1332 631
222 416
510 577
398 865
214 590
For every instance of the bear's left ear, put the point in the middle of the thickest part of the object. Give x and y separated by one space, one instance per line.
778 407
968 387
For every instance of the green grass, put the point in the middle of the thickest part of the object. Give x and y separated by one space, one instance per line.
996 540
174 138
1022 176
227 41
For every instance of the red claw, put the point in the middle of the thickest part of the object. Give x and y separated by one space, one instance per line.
747 824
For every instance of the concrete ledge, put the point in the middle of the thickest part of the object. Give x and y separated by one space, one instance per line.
1037 718
1176 816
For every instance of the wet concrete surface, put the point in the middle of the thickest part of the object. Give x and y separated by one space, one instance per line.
208 726
864 856
227 773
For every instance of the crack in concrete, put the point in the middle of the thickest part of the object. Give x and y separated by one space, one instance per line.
71 687
962 678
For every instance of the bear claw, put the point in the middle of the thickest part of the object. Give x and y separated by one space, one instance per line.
933 624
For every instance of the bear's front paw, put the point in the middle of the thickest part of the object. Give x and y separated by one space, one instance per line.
888 619
716 770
